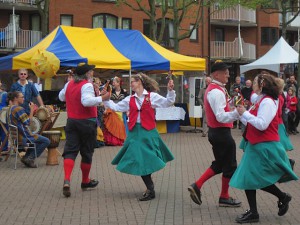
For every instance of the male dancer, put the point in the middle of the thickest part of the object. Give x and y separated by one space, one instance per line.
81 125
219 120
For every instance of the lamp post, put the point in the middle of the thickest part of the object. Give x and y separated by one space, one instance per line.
241 53
208 37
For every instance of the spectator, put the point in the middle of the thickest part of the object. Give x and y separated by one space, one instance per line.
291 108
28 90
18 117
291 82
201 100
235 90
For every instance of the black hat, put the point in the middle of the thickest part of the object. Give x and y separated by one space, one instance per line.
82 69
219 66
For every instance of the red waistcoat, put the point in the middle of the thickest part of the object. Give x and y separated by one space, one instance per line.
279 113
255 136
75 109
210 116
147 113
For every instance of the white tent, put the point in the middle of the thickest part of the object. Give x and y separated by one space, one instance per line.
281 53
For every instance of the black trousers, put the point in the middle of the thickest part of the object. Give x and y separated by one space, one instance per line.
80 137
224 149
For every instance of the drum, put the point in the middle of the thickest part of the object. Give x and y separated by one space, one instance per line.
3 114
43 113
54 137
35 125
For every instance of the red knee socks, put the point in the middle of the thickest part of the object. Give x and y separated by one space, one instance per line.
85 169
225 187
205 176
68 168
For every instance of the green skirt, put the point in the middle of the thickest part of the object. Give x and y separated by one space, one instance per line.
284 138
143 153
262 164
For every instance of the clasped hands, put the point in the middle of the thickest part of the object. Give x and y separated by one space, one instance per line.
105 94
241 109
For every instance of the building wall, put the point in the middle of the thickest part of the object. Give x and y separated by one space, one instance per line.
264 20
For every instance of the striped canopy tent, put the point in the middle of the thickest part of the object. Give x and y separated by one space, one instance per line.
105 48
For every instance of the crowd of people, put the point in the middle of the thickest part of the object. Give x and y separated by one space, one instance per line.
265 109
19 109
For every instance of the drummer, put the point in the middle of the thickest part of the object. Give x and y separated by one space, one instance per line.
19 118
28 89
3 103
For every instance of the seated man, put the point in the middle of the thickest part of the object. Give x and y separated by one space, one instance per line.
19 118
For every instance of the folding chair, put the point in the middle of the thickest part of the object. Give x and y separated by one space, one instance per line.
15 146
3 124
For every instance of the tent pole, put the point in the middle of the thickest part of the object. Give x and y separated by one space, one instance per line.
182 88
129 82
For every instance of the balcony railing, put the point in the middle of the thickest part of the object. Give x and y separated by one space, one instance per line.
231 50
232 14
31 2
24 38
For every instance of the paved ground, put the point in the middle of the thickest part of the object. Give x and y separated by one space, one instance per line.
34 196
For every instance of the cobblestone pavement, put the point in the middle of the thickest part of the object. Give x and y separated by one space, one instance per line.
34 196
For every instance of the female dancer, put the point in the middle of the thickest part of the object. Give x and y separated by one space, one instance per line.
264 161
143 152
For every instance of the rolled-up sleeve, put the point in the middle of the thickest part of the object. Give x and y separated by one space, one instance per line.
62 93
158 101
122 106
88 97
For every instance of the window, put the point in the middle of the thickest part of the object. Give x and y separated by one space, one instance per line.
103 0
35 22
105 21
146 27
269 35
126 24
219 34
66 20
160 2
194 34
168 35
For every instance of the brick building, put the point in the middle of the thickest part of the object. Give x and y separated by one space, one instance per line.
217 37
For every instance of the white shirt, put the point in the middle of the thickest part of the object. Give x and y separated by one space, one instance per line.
266 112
157 101
87 95
217 101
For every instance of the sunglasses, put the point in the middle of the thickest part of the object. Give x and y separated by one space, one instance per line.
23 74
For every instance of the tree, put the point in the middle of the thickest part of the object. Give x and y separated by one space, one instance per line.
43 8
176 10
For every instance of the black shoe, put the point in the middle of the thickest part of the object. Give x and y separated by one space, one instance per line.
28 162
284 205
292 162
247 217
195 193
148 195
92 184
66 189
229 202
